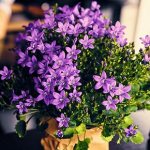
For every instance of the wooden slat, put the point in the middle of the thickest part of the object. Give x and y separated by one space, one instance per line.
17 8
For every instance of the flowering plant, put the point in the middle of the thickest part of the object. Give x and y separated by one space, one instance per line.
77 67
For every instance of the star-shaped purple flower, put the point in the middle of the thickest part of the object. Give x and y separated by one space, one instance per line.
72 52
86 42
102 81
75 96
110 103
146 41
63 28
122 92
130 131
60 61
146 58
22 107
5 73
63 121
33 64
60 100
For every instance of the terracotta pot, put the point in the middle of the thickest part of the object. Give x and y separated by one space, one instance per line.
51 143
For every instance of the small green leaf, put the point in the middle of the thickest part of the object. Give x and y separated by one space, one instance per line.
132 108
137 139
108 139
69 132
81 128
82 145
127 122
21 128
147 106
135 88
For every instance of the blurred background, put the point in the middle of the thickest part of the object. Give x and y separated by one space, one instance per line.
17 13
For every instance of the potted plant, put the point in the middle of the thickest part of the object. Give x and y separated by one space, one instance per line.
75 71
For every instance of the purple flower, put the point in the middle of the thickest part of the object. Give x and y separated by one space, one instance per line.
33 64
22 107
86 21
121 41
63 121
72 52
110 88
45 95
43 68
86 42
75 30
130 131
74 81
102 81
146 41
146 58
95 6
96 31
60 61
5 73
60 100
122 92
62 28
75 96
117 30
24 58
59 133
110 103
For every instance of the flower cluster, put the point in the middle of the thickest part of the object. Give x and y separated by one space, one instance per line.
109 85
58 58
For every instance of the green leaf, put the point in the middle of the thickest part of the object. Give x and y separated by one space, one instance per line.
82 145
21 128
108 139
137 139
81 128
69 132
147 106
135 88
132 108
127 121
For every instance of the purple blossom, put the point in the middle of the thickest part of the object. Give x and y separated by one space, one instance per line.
86 21
103 81
60 61
74 81
86 42
43 68
22 107
146 58
72 52
60 133
121 41
122 92
117 30
146 41
75 29
60 100
110 88
5 73
95 6
33 64
110 103
63 121
45 95
75 96
130 131
24 58
62 28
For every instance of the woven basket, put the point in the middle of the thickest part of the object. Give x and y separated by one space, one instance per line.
50 142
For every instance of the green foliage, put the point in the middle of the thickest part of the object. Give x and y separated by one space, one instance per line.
21 128
108 139
137 139
68 133
82 145
81 128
